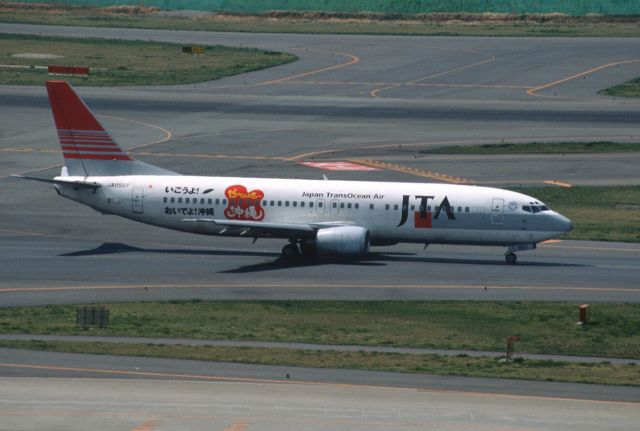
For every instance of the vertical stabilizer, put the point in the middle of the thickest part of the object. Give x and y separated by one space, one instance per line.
88 149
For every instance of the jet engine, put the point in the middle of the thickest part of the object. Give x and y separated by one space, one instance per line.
343 240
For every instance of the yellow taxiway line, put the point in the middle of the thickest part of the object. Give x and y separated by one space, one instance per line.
534 91
354 60
412 171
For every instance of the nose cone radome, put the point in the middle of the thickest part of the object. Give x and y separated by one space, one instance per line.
562 224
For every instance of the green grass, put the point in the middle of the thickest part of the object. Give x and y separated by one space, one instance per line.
117 62
543 327
602 213
302 23
601 373
630 88
539 148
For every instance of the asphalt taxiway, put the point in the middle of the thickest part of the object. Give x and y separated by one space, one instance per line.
347 98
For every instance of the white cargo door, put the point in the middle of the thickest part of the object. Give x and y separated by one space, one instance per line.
137 195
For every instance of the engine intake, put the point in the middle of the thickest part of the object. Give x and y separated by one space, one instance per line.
343 240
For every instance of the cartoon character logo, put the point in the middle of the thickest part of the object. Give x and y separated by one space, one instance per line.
243 204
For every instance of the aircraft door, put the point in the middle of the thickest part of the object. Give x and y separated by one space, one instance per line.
320 206
497 211
137 195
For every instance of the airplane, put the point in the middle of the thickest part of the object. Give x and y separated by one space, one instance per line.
316 217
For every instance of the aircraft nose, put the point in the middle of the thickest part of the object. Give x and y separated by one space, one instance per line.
562 224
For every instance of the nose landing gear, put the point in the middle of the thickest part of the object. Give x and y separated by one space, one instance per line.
511 258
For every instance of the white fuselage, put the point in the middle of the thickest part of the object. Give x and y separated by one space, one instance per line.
392 212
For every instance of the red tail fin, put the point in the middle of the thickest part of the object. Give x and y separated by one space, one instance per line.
81 135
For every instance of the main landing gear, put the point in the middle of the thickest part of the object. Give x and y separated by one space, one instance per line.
298 249
291 251
511 258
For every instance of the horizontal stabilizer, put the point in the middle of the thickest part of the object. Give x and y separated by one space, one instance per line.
60 182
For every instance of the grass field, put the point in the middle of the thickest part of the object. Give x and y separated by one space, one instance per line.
287 22
601 373
116 62
630 88
539 148
609 213
543 327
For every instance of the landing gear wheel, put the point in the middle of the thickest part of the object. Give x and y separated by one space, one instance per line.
291 251
511 258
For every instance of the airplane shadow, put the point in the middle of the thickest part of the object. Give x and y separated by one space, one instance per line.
373 259
116 247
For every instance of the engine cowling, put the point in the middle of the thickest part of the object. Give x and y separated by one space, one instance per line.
342 240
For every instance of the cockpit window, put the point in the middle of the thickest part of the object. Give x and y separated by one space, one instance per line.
535 208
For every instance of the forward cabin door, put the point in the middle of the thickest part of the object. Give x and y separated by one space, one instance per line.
497 211
137 195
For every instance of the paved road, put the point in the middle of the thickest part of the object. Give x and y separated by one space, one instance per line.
116 404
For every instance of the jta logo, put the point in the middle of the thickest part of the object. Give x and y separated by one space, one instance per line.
422 217
243 205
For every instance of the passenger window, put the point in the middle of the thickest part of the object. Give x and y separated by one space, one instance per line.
386 206
357 206
279 203
164 199
370 206
459 209
295 203
466 209
413 207
395 207
286 203
310 204
272 203
335 205
320 204
302 204
186 200
173 200
349 206
264 203
429 208
224 201
179 200
342 205
210 201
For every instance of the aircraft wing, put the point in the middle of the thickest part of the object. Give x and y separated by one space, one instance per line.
262 229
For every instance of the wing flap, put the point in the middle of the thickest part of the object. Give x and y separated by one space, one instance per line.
256 228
